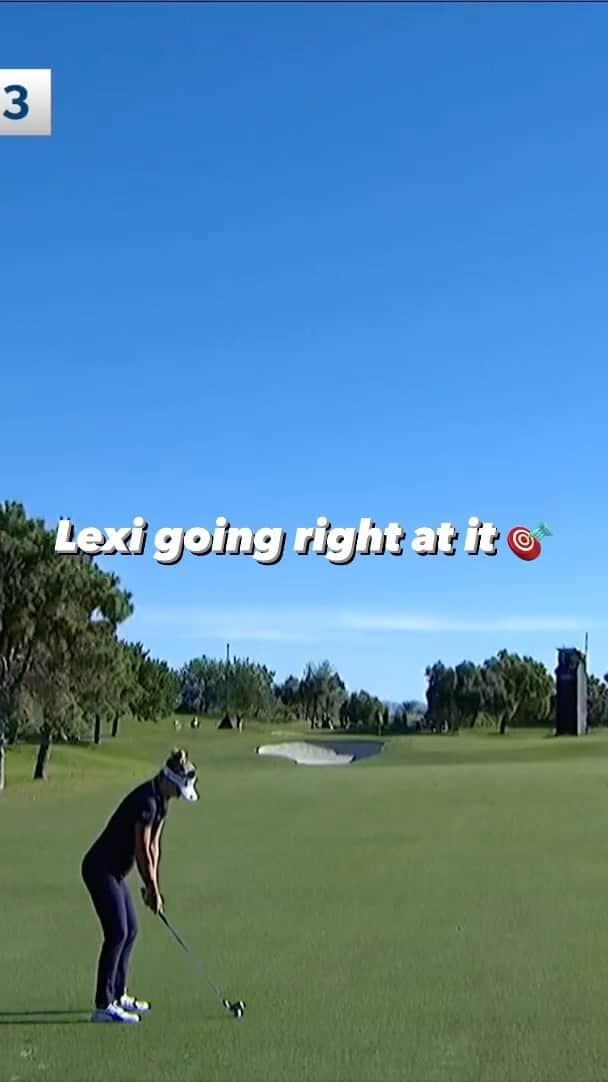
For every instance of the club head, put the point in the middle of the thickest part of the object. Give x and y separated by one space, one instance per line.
237 1008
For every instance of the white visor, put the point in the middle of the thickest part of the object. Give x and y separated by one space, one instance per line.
185 783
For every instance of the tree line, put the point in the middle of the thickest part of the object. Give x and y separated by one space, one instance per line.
65 673
319 697
505 691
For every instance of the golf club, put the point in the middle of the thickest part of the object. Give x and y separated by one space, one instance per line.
236 1007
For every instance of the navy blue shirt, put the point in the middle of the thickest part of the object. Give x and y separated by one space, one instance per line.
114 850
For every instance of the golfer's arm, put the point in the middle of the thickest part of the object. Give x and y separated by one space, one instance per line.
155 853
144 855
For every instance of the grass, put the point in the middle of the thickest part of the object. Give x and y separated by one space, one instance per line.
434 914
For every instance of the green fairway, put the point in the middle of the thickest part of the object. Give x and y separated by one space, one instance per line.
437 912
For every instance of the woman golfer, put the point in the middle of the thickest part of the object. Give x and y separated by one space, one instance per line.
131 836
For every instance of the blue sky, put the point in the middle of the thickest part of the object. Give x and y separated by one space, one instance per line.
284 261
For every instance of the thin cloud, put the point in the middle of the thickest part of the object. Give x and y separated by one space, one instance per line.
305 624
251 625
358 621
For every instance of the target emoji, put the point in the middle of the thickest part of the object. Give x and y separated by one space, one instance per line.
525 543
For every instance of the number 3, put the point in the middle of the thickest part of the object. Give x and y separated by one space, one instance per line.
20 100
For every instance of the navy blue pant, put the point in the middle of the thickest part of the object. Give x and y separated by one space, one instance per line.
114 907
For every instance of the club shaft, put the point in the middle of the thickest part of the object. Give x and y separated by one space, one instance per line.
193 959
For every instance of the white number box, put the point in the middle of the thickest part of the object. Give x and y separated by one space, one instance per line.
25 101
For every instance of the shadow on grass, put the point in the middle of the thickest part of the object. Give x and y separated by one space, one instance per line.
42 1018
67 1018
36 1020
42 1011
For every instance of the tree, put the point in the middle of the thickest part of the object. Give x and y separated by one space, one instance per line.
495 696
202 685
511 689
104 679
528 688
127 699
410 713
239 686
25 582
455 696
467 694
48 606
597 701
323 693
250 687
158 689
361 710
441 686
289 695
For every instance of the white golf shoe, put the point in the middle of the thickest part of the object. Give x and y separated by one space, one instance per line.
129 1003
113 1013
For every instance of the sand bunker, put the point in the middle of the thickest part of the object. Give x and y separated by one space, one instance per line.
322 752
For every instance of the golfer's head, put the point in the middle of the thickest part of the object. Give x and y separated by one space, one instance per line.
180 774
